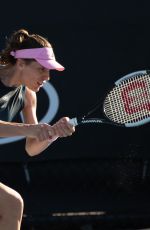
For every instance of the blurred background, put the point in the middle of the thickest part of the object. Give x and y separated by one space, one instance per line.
99 178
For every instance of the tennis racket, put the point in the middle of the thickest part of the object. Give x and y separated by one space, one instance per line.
127 104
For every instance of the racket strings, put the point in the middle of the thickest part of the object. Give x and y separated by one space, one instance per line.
129 101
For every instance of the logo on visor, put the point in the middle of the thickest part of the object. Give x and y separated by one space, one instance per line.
53 101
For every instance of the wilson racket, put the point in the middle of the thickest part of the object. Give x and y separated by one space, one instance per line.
127 104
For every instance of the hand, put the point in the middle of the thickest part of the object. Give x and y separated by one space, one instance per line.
41 132
63 128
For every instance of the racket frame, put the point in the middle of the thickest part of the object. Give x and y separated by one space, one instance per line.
126 77
84 120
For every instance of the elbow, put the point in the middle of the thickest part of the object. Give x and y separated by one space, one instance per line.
32 152
34 148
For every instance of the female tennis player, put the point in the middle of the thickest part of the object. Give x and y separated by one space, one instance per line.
25 64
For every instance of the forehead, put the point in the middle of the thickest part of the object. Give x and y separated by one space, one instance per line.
31 64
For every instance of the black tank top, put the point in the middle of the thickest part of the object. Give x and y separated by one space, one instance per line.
11 101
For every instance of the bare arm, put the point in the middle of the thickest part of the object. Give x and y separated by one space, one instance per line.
9 129
33 145
48 133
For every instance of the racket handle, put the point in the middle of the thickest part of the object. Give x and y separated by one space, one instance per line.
73 121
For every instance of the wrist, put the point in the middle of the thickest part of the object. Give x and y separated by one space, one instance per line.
52 139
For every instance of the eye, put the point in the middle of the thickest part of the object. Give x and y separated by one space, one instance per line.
42 69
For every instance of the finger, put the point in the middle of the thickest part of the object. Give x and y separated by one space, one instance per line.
64 130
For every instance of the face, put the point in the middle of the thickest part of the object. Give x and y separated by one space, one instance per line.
33 75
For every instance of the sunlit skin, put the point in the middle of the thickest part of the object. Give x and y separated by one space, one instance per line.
15 72
38 136
32 75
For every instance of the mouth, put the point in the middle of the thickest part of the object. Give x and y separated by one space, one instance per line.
40 84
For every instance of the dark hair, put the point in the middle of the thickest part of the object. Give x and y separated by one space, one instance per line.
21 39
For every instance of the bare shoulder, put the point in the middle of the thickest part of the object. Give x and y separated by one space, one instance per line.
30 98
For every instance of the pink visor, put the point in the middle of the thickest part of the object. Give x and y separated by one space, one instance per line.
44 56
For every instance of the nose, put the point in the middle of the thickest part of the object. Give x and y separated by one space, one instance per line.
46 76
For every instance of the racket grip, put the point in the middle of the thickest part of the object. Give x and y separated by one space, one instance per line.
73 121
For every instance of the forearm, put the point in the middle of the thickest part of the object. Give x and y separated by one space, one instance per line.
8 129
34 147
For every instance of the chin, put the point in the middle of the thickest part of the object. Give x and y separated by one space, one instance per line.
34 89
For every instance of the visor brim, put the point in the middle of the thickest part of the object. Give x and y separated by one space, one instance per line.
50 64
